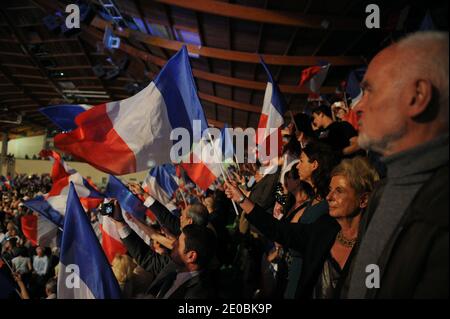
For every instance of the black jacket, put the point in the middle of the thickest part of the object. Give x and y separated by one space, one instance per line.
416 262
166 218
314 241
198 287
263 191
149 260
164 269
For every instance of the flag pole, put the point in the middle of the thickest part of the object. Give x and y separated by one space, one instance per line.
12 272
292 119
221 170
182 196
237 164
179 187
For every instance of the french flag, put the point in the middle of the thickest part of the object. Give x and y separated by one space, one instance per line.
39 230
52 206
84 271
203 165
111 243
127 200
225 145
5 181
133 135
129 203
353 87
314 77
54 202
64 115
162 183
8 288
274 107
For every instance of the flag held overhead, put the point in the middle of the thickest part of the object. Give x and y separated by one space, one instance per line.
132 135
84 269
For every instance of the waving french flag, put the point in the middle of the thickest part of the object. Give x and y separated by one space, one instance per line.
353 87
129 203
127 200
111 243
225 145
5 181
162 183
64 115
204 164
52 206
132 135
84 271
39 230
274 107
314 77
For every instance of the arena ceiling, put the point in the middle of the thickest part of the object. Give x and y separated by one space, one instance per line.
40 67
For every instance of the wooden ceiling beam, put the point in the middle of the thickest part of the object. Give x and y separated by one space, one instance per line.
22 66
29 76
231 66
76 67
18 85
229 55
226 102
255 68
21 40
201 34
91 62
13 54
254 85
141 13
216 123
241 12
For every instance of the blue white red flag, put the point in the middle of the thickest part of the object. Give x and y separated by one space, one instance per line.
84 271
133 135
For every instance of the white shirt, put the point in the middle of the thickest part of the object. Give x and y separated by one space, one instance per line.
40 264
20 264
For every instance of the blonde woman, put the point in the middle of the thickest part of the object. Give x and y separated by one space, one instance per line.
123 268
327 243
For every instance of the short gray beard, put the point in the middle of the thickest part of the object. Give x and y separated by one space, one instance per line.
383 145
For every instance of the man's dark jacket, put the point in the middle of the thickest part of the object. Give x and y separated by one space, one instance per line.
164 270
416 262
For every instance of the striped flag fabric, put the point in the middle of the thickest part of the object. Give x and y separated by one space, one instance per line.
84 269
271 119
162 183
64 115
133 134
353 87
314 77
203 164
52 206
111 243
129 203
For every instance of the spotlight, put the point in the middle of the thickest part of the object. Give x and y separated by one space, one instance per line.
109 40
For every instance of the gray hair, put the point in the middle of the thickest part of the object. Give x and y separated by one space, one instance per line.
51 285
199 214
430 59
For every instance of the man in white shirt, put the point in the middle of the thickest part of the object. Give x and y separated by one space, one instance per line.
40 262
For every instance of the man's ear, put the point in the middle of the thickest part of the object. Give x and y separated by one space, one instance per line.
421 97
315 165
191 256
364 200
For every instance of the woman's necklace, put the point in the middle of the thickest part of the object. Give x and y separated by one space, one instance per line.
344 241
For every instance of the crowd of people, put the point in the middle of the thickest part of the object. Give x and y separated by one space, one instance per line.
352 211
